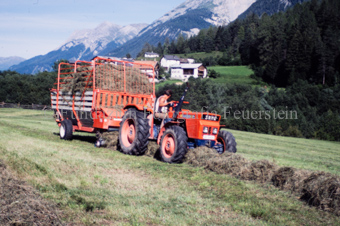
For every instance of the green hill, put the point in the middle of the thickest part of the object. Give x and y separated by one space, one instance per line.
233 74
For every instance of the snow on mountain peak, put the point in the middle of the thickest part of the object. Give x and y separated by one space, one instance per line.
224 11
103 34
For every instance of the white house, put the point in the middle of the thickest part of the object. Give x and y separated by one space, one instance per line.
148 67
185 71
151 55
169 60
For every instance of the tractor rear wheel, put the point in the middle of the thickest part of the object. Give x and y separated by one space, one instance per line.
134 133
66 130
173 146
227 140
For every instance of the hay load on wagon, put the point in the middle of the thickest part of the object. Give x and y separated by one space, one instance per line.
110 77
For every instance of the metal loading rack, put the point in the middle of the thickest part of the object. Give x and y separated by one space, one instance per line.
96 94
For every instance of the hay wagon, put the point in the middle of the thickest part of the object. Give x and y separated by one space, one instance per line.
91 96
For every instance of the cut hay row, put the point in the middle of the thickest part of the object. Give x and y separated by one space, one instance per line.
318 189
21 204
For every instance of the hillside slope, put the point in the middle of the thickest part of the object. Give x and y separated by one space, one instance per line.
269 7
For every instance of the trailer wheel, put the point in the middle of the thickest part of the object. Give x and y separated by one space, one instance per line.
134 133
66 130
227 140
173 145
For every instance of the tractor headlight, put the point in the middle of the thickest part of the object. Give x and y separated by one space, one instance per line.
205 129
215 130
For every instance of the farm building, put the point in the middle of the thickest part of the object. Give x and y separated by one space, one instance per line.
185 71
169 60
148 71
151 55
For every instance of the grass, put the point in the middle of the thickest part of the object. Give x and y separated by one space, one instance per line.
229 74
168 82
105 187
233 74
288 151
201 55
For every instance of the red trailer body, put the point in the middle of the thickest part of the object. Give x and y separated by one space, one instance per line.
105 95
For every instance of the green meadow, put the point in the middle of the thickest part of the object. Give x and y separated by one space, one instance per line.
100 186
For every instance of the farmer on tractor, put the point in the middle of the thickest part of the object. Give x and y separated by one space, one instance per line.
161 110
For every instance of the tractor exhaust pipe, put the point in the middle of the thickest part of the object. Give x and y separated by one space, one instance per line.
179 105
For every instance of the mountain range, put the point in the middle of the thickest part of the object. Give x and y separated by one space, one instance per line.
82 45
6 62
269 7
188 18
114 40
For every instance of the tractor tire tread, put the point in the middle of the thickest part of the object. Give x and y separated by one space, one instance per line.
182 148
230 141
142 133
67 124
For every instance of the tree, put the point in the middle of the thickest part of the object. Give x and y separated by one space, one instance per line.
180 44
55 66
166 46
159 49
146 48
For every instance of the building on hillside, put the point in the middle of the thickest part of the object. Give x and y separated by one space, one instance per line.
151 55
185 71
169 60
148 70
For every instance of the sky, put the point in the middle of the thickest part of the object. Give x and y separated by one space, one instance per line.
30 28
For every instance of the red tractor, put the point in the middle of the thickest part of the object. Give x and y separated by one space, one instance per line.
113 95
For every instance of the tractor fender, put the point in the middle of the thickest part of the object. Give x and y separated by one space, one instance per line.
139 107
165 126
128 106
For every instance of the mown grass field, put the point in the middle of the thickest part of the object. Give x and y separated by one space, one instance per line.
288 151
104 187
233 74
229 74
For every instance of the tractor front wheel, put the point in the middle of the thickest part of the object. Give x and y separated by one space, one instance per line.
173 146
227 140
134 133
66 130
